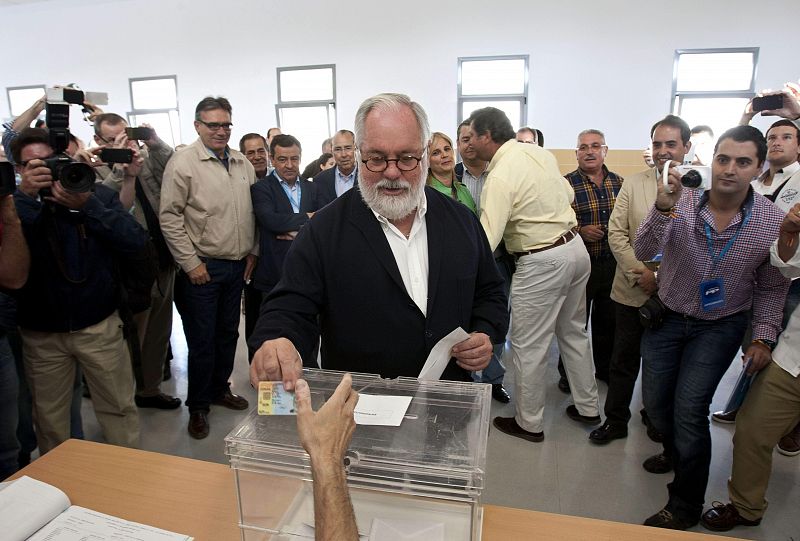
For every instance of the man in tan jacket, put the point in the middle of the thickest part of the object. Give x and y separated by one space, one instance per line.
633 282
208 222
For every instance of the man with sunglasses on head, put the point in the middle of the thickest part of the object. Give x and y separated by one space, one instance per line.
386 270
208 222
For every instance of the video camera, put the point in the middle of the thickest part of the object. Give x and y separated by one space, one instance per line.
74 176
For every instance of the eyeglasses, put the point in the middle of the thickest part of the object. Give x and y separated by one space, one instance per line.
403 163
215 126
594 146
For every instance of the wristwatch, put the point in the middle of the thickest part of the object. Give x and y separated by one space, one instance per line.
764 342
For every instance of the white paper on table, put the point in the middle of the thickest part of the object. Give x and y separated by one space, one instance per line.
440 355
387 529
383 410
78 523
27 505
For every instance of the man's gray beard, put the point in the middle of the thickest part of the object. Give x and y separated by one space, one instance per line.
391 207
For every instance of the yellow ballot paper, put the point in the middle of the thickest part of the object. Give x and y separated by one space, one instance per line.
273 399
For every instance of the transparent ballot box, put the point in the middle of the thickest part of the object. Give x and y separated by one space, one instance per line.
420 480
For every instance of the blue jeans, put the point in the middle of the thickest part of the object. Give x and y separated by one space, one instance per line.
9 446
682 364
210 314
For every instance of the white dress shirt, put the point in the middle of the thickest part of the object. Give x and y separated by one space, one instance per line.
411 254
786 353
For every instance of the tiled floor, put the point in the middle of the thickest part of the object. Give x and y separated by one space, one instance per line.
564 474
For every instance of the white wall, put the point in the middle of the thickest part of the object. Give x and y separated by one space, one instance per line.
605 65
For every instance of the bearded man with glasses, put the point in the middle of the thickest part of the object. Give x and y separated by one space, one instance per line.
208 222
386 270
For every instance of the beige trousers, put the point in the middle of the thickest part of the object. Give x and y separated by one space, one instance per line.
548 299
770 410
100 351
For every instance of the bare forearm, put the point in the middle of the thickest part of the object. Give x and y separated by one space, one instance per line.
29 115
15 259
334 519
787 245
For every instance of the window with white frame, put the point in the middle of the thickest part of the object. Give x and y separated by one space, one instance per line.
494 81
306 105
713 86
154 101
20 98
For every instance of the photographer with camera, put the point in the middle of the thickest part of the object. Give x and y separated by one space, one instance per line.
715 268
31 114
67 309
139 187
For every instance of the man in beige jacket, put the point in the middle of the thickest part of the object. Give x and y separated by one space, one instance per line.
633 282
208 222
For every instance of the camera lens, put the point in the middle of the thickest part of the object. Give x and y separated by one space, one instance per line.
76 177
692 179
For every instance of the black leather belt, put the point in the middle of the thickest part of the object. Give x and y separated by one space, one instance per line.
563 239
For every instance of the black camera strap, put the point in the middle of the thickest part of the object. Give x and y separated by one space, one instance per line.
51 232
165 258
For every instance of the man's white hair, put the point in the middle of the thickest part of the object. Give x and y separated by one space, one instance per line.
391 101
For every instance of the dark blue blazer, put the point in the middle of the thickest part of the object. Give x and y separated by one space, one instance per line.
325 183
72 283
341 280
275 216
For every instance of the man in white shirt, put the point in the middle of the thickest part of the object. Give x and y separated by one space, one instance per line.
781 182
771 408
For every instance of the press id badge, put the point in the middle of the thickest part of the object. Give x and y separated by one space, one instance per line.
273 399
712 294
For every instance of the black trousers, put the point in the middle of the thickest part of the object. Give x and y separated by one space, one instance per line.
598 299
624 366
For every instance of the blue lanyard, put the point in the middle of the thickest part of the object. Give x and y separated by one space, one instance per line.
716 258
288 191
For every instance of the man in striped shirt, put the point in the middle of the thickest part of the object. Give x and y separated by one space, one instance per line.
715 268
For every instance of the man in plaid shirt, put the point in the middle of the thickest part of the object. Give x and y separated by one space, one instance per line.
596 190
715 268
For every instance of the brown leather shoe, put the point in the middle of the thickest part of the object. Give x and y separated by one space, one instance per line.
789 445
231 401
509 426
198 424
724 516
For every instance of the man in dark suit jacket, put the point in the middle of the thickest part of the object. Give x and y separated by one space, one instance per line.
335 181
283 203
386 270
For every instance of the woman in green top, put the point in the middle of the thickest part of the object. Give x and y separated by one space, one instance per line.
442 172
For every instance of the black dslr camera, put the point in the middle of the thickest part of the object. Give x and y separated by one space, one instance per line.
74 176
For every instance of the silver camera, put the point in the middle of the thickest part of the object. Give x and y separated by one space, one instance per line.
697 177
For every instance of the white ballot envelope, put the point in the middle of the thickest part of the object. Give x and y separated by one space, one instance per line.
440 355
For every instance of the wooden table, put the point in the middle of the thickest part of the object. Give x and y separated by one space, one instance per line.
198 498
